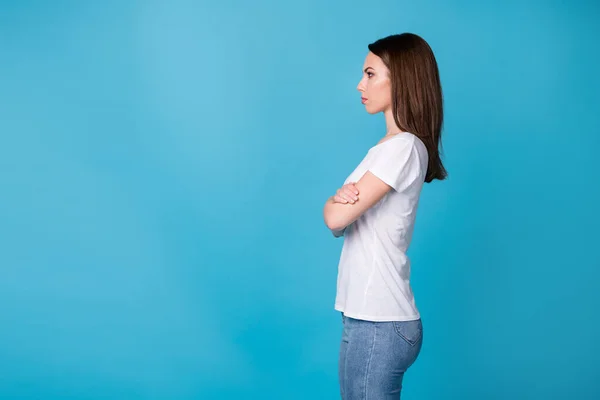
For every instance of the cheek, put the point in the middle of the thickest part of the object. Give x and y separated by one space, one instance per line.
379 87
380 91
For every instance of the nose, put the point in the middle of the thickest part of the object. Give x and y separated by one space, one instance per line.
360 87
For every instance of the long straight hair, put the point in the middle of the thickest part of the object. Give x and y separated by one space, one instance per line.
417 101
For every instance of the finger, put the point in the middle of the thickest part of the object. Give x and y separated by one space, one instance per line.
339 199
341 194
348 192
352 187
348 197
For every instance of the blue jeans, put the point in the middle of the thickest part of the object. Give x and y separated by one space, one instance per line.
375 355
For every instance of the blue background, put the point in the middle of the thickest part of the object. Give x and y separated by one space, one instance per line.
164 168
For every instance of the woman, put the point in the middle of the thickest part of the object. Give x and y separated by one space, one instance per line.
375 211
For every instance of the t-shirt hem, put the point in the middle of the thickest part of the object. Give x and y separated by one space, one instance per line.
378 318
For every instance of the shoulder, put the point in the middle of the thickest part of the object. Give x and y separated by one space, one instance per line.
406 150
403 142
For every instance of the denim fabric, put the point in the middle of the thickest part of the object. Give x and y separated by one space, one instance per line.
375 355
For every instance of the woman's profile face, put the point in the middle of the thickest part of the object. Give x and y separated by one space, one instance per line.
375 85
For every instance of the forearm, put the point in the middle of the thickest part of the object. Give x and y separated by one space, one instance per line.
331 215
328 213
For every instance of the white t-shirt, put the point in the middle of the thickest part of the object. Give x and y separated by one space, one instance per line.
373 280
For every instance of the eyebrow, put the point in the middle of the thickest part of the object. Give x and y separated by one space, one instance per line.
368 68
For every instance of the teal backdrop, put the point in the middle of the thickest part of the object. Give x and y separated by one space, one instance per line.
164 168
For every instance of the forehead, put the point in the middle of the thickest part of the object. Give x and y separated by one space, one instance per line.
371 60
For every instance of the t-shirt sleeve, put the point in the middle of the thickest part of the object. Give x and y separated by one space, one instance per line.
397 163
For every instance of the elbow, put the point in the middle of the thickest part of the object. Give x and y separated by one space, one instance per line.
335 224
333 227
334 219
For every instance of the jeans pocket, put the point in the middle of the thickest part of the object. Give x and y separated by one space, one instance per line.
410 331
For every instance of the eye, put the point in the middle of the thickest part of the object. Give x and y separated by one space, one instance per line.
369 74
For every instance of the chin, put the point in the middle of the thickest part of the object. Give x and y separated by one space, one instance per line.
372 110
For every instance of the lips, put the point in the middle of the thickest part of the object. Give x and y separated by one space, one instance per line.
363 99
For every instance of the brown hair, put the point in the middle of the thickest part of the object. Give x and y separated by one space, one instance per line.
416 92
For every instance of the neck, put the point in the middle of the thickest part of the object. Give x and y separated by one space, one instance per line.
390 123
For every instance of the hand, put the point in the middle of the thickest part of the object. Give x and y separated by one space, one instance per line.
346 194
